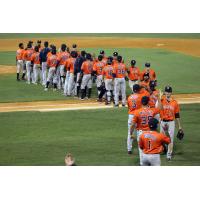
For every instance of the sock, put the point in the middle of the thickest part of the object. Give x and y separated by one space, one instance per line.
17 76
55 85
89 92
78 89
82 93
23 75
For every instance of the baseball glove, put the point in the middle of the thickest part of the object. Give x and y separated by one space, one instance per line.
180 134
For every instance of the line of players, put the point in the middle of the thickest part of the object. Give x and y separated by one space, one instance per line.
73 72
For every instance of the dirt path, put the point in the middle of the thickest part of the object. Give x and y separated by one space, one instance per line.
4 69
186 46
47 106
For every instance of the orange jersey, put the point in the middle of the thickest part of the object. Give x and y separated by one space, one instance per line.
134 102
98 67
20 54
152 74
153 98
145 84
114 62
87 67
108 72
69 64
49 54
144 92
27 54
169 109
142 117
62 57
35 58
134 73
105 60
120 70
151 142
52 61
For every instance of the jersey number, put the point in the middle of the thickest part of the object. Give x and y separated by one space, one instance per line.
145 119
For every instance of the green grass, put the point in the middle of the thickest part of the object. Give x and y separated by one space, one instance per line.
135 35
95 137
179 70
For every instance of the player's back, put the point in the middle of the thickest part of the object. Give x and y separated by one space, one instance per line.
27 54
87 67
19 54
134 102
35 58
98 67
70 64
151 142
120 70
142 117
108 72
52 61
62 57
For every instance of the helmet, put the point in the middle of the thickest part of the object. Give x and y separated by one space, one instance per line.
168 89
74 46
147 64
100 57
152 84
102 52
36 48
21 45
136 88
119 58
88 56
133 62
153 123
63 47
39 41
115 53
145 100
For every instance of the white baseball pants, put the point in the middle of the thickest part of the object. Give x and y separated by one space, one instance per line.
120 85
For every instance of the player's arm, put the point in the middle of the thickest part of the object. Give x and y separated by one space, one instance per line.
177 116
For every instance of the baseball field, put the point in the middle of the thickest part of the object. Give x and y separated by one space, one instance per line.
39 128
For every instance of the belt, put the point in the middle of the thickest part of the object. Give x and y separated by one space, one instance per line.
164 120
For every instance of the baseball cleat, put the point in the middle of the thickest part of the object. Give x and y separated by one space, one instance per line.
117 105
123 105
169 157
45 89
18 79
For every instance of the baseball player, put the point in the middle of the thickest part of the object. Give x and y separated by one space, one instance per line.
69 81
86 73
104 59
151 143
43 60
134 103
52 63
62 58
133 74
145 81
108 79
152 74
141 118
19 61
170 112
153 98
97 70
119 75
27 57
115 61
77 71
35 60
